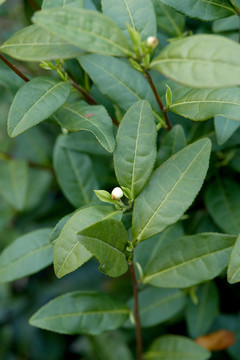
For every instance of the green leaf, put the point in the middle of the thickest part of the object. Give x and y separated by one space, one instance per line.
35 44
47 4
172 347
81 312
158 305
171 190
58 227
146 251
75 174
229 24
105 196
222 201
14 182
202 9
38 184
233 272
206 103
110 346
168 19
117 80
34 102
195 259
107 240
200 316
81 116
224 128
26 255
202 61
139 14
173 142
135 152
89 30
69 254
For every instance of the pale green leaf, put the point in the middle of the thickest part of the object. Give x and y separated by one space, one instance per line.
81 116
34 102
173 142
200 316
228 24
117 80
135 152
171 190
14 181
172 347
168 19
36 44
158 305
195 259
202 9
47 4
233 272
224 128
26 255
69 254
89 30
2 1
81 312
107 240
105 196
139 14
205 103
202 61
222 200
75 175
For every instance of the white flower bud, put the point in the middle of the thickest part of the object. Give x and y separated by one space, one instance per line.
117 193
152 42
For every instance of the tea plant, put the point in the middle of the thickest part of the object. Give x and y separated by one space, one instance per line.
124 117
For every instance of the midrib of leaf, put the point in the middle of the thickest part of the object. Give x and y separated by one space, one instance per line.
197 258
31 252
162 301
170 192
89 120
202 307
129 13
118 311
101 242
178 103
195 60
35 104
135 151
81 186
219 5
171 20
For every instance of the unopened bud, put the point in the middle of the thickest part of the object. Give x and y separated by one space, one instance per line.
117 193
152 42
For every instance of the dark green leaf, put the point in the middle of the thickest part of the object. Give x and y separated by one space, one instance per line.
168 19
26 255
135 152
224 128
34 102
196 258
234 263
171 190
81 313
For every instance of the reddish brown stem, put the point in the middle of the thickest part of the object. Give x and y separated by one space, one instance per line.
34 5
14 68
136 314
159 101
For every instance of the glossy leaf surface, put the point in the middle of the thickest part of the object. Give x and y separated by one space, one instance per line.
86 29
202 61
34 102
135 152
27 255
196 258
171 190
234 264
83 312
